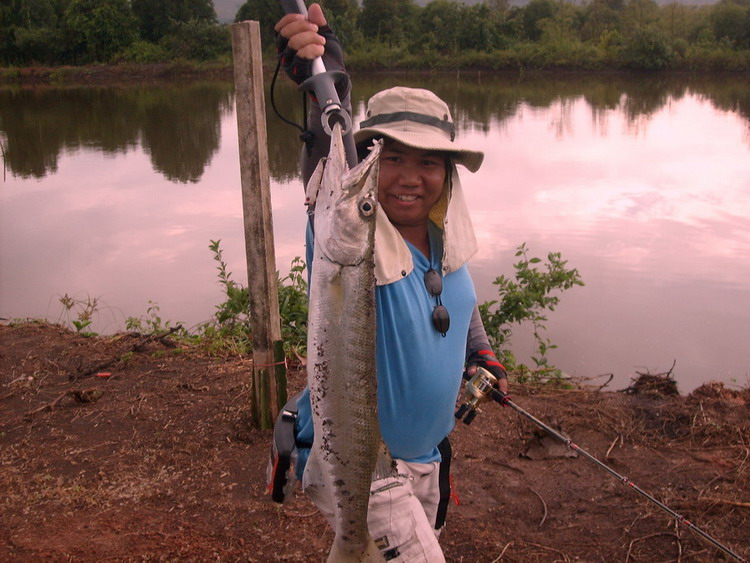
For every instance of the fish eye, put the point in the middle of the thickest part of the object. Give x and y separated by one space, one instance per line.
367 207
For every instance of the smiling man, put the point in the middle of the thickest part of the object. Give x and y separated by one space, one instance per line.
428 325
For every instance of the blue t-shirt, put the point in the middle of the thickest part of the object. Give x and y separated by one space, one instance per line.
418 369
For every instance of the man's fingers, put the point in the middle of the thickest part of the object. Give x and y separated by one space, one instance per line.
286 20
311 52
315 15
308 45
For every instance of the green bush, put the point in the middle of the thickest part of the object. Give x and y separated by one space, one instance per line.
197 40
646 49
143 52
525 299
10 73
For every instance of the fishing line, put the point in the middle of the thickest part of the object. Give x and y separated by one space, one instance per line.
480 388
307 136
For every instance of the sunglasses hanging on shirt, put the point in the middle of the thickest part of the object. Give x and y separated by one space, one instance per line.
441 320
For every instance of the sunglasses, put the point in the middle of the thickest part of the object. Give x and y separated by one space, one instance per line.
441 320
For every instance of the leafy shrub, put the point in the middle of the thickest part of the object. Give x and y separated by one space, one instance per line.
646 49
198 40
525 299
143 52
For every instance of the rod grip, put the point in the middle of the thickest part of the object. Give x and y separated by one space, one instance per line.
294 7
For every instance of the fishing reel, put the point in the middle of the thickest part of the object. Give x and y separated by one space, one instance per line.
479 388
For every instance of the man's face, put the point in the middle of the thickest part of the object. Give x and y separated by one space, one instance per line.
410 183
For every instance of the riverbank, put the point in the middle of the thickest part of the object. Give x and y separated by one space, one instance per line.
131 446
114 74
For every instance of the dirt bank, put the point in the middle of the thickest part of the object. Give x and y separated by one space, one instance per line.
158 462
115 74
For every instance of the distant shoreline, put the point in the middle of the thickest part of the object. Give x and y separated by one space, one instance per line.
114 73
122 74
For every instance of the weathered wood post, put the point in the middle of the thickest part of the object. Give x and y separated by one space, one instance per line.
265 322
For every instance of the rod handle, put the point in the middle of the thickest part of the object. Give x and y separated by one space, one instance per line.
322 83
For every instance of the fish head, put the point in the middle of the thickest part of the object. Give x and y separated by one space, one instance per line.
346 206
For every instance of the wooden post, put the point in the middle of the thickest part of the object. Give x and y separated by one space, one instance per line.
256 204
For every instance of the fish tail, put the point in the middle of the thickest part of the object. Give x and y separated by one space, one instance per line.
342 553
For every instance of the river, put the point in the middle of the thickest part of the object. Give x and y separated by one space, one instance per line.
641 182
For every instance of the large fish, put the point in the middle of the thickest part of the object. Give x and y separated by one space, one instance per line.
347 448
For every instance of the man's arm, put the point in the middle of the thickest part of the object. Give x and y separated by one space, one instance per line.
479 352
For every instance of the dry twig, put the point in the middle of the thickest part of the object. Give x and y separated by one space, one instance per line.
636 540
727 501
137 347
544 505
564 556
618 437
87 396
499 557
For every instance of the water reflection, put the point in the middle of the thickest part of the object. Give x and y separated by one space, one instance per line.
643 184
178 127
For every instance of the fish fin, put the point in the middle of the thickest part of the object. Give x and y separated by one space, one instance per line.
385 466
339 553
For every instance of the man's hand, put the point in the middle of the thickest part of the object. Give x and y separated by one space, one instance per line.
487 360
301 34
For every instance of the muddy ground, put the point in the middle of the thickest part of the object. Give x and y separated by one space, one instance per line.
158 461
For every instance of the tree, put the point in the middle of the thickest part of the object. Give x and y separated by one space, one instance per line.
198 40
639 14
389 21
266 13
647 49
534 12
441 22
156 18
478 29
100 28
599 17
31 31
342 16
731 22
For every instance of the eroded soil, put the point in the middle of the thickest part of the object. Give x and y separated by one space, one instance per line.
158 461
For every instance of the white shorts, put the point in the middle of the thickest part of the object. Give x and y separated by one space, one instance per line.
402 512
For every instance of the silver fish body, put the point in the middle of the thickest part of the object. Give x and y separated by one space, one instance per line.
347 448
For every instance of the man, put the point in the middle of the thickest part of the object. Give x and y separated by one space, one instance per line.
428 323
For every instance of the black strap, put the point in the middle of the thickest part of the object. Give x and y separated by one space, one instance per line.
433 121
283 445
444 482
306 136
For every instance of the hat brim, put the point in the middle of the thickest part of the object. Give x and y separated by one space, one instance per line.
471 159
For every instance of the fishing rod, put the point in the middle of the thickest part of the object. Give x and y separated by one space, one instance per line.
481 387
323 82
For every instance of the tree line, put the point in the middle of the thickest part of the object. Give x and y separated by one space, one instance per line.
64 32
393 33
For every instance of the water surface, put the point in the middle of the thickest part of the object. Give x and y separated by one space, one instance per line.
643 185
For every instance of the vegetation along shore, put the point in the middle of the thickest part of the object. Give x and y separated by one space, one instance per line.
59 40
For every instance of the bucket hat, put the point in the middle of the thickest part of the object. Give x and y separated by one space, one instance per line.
417 118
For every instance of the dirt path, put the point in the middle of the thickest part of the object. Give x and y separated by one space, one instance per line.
158 462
